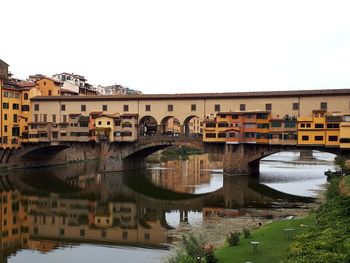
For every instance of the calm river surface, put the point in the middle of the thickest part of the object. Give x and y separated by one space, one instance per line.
75 213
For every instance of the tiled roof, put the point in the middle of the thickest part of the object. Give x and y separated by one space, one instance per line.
190 96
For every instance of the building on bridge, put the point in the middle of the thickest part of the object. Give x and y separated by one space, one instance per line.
259 117
116 128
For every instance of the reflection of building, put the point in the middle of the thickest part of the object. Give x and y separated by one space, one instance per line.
194 171
14 221
93 221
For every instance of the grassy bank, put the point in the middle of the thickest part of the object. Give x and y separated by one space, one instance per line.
273 243
325 239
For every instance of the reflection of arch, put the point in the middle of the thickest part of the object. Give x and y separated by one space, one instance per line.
170 125
147 126
191 128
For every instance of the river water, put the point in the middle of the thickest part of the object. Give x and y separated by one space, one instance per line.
74 213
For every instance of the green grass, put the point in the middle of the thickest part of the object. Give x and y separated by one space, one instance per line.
273 246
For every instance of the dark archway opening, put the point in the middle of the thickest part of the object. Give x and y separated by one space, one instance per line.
193 126
170 126
148 126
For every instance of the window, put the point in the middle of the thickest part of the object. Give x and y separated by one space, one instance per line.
217 107
53 117
268 106
223 124
100 123
333 138
103 233
148 108
147 236
83 107
210 125
36 117
193 107
25 96
323 105
221 135
14 117
63 107
82 232
318 138
333 125
36 107
5 128
242 107
65 118
44 117
319 126
84 124
44 83
25 107
210 135
308 125
15 131
5 105
108 123
125 235
289 123
295 106
263 125
62 232
305 138
276 124
170 107
125 108
50 92
104 107
5 116
15 106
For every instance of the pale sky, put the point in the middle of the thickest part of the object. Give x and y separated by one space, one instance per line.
162 46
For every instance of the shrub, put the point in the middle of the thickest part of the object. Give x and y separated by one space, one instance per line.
209 254
246 233
233 239
193 245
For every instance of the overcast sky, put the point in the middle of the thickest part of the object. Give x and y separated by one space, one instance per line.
161 46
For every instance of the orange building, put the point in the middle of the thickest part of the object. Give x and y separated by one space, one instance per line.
49 86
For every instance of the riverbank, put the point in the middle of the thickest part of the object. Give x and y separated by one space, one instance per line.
322 236
274 239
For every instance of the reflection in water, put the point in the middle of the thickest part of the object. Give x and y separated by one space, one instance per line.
299 177
195 174
53 210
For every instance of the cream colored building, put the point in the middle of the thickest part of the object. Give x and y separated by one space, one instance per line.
186 106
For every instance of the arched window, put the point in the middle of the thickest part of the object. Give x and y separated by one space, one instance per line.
25 96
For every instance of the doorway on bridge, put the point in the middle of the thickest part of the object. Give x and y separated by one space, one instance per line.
193 126
170 126
148 126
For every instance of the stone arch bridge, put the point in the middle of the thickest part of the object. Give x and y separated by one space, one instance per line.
238 159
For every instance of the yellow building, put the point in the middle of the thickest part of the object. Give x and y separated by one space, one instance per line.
333 121
48 86
117 128
311 130
344 133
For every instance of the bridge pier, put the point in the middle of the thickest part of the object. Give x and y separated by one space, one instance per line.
306 154
238 161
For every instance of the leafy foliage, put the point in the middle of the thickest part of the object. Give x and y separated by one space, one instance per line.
193 250
233 238
246 233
